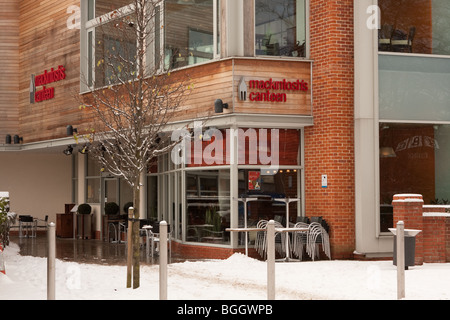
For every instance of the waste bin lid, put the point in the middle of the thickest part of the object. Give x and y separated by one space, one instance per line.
408 232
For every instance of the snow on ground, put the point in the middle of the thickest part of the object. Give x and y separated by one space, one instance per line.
237 278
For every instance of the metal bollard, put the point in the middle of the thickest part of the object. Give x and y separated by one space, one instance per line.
51 236
400 260
271 260
163 260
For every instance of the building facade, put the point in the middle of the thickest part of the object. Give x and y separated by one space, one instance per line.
316 93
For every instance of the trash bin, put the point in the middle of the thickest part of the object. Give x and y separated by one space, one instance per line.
410 246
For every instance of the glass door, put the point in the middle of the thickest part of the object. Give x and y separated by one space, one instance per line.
110 192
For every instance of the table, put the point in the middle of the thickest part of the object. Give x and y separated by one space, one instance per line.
154 237
245 200
287 201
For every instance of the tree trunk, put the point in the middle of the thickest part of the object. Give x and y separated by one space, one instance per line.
133 250
136 223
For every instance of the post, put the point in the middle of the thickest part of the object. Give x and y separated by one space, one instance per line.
129 246
51 237
271 260
400 260
163 260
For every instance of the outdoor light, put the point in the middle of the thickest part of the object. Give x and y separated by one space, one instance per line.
84 150
68 151
219 105
8 139
71 130
17 139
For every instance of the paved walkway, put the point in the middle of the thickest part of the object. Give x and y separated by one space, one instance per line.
83 251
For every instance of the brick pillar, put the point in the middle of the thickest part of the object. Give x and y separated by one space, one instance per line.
409 209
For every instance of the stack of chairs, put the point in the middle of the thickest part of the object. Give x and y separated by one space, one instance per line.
302 241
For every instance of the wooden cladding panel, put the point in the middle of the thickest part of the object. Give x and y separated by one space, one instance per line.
297 102
9 81
46 42
211 81
221 80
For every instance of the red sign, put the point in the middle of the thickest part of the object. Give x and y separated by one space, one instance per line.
269 90
51 76
44 79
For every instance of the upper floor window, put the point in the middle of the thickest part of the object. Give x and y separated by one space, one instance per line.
191 32
178 33
280 27
415 26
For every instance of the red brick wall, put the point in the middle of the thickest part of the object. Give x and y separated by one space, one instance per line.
409 209
329 144
447 239
433 243
434 239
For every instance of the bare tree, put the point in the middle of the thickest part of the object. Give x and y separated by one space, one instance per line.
132 100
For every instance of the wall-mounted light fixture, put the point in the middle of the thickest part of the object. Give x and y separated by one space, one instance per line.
68 151
219 105
85 149
17 139
8 139
70 130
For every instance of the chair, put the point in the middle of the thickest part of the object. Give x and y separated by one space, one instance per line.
280 239
317 235
300 239
385 37
153 238
26 222
303 219
273 49
42 226
402 41
261 237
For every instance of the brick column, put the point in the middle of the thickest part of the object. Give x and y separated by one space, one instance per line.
409 209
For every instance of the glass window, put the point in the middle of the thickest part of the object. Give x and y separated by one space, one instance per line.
415 26
414 88
183 33
208 206
260 146
280 27
267 185
115 52
189 32
413 159
97 8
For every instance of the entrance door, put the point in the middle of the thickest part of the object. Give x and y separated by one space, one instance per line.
110 191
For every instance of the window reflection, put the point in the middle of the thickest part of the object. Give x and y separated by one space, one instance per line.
208 206
413 159
415 26
115 52
189 29
280 28
266 185
105 6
